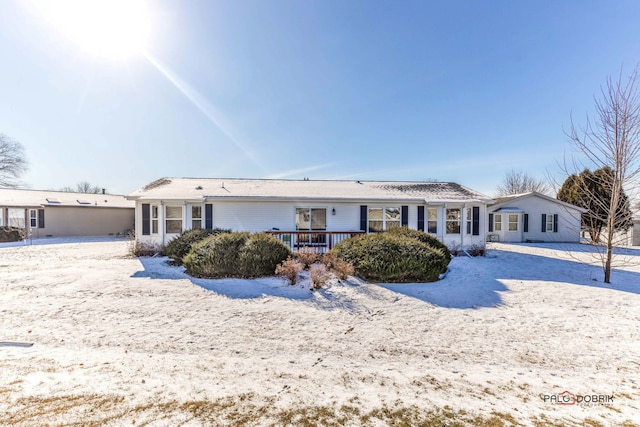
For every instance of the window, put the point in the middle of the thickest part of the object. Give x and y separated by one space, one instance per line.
33 218
453 221
468 218
154 219
513 222
311 218
16 218
432 220
173 219
381 219
196 217
497 222
549 222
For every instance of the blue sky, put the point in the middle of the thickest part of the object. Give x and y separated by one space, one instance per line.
329 89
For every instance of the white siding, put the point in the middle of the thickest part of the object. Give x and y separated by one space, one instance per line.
568 220
255 216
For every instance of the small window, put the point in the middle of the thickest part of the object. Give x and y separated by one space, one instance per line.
33 218
453 221
468 218
432 220
513 222
497 222
154 219
550 222
173 219
196 217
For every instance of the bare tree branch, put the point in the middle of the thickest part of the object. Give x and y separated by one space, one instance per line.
12 162
518 182
612 141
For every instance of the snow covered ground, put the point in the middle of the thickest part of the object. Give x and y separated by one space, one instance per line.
125 341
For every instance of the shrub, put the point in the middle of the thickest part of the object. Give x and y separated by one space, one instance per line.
236 255
216 256
339 267
11 234
308 256
319 276
477 250
289 269
392 257
261 254
426 238
180 246
138 249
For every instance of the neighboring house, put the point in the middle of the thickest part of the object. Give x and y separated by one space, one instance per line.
309 212
62 214
533 217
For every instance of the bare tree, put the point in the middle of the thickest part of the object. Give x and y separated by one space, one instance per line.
612 140
518 182
83 187
12 162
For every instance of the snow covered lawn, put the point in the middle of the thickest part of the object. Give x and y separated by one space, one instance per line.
124 341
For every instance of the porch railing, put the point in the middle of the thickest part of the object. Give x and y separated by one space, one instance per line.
318 241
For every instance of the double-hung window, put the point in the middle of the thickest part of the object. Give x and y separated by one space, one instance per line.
33 218
513 222
196 217
432 220
453 220
173 219
497 222
154 219
549 222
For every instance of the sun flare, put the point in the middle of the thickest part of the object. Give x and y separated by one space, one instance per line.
104 28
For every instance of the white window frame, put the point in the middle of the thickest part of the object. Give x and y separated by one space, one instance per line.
432 222
453 220
497 222
195 219
155 219
310 210
510 222
167 218
549 226
33 218
387 223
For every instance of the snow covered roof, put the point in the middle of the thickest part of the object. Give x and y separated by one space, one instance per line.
512 200
39 198
234 188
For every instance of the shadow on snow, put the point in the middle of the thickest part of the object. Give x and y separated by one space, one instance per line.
471 283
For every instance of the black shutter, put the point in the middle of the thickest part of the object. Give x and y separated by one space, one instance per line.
490 223
40 218
555 223
363 218
544 223
526 223
421 218
404 215
208 216
476 220
146 219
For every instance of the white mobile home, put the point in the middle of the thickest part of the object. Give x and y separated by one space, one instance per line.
309 212
533 217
